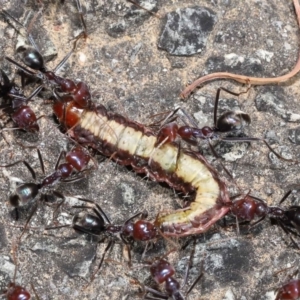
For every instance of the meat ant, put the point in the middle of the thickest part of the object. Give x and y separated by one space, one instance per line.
250 207
33 59
99 223
229 121
16 105
72 170
162 272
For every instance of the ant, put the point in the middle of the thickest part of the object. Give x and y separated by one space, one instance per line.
72 170
162 272
249 207
98 223
16 105
33 59
228 122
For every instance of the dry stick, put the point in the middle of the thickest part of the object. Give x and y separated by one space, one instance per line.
245 79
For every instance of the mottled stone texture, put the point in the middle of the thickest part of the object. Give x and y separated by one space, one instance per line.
186 30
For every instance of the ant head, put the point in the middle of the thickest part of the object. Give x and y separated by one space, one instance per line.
232 120
24 193
160 270
31 58
26 119
88 223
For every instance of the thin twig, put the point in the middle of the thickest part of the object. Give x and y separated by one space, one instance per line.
246 79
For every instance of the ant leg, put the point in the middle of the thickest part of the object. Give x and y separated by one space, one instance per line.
61 196
219 160
145 9
67 56
26 165
190 263
21 30
41 160
79 8
61 154
33 211
252 139
143 215
108 247
285 196
154 292
98 209
34 291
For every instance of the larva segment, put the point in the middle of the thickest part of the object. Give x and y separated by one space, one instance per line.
132 144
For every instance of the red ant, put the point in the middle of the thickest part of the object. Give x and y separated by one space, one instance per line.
228 122
77 160
16 105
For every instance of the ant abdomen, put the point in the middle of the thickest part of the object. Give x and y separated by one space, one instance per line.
88 223
31 58
232 120
23 194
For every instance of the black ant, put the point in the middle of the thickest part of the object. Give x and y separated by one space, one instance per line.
72 170
16 105
228 122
